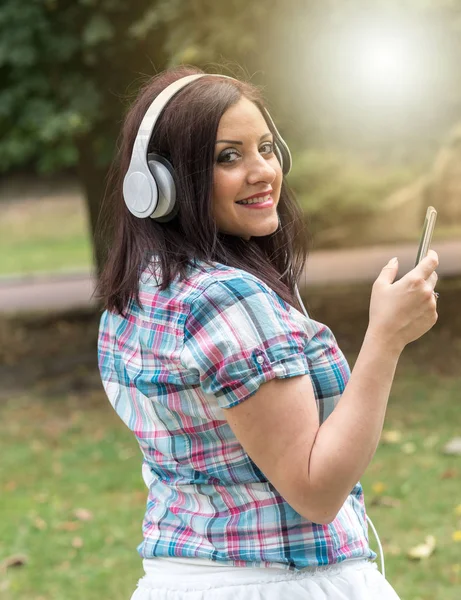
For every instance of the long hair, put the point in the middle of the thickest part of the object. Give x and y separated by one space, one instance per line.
185 134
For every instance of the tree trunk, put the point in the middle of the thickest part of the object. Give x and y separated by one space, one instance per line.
93 178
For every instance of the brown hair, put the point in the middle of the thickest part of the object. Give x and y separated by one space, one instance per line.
185 134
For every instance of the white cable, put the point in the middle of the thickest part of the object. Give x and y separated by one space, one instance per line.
383 571
381 553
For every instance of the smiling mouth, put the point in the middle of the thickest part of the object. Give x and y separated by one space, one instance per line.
258 200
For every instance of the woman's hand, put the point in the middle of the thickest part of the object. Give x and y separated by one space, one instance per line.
403 311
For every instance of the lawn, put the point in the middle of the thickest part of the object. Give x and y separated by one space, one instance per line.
51 234
71 493
72 496
42 236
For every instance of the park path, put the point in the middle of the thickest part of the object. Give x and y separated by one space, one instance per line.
324 267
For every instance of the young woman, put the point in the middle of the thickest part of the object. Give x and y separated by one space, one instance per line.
252 463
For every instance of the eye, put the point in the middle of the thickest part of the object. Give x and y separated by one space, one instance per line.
228 155
267 148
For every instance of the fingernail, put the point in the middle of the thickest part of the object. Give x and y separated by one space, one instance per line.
393 261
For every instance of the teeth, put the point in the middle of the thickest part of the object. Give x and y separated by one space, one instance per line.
259 200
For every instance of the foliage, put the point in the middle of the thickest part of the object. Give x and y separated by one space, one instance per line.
66 65
69 67
62 64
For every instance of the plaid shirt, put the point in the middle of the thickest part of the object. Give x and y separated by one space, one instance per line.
171 369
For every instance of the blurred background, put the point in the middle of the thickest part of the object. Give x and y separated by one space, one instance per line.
368 97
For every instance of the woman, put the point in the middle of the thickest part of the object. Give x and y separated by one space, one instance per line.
251 463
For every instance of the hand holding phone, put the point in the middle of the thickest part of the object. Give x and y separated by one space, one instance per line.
426 236
401 312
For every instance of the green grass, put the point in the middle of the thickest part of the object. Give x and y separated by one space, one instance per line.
414 471
52 234
45 235
72 452
59 456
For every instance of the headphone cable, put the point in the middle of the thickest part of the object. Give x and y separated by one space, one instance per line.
383 571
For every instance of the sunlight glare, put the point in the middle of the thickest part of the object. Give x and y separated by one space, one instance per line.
386 61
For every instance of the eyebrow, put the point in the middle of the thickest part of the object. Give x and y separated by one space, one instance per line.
265 135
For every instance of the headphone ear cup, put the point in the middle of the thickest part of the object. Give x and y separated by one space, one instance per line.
284 157
279 156
163 174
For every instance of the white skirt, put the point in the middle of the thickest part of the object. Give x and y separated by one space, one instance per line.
197 579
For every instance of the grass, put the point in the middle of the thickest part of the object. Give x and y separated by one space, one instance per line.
424 481
51 234
63 448
48 235
57 457
71 452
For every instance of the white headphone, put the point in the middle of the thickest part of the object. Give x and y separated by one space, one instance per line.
148 187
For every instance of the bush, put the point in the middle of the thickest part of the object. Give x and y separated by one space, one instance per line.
340 192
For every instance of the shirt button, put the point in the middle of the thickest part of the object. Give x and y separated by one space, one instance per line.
260 359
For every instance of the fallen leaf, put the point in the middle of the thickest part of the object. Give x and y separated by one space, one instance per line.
77 542
431 441
393 550
68 526
391 437
15 560
64 566
10 486
456 536
408 448
453 446
423 551
386 501
40 523
378 487
83 514
126 453
449 474
41 498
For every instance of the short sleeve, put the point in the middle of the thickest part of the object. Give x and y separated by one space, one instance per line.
240 334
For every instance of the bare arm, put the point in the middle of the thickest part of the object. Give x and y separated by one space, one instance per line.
315 467
346 442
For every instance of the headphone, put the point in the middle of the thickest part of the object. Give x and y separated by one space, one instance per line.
148 187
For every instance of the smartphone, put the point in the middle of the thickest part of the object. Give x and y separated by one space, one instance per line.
426 236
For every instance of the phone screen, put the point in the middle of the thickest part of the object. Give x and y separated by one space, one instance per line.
426 236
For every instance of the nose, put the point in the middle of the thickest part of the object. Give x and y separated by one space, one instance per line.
260 169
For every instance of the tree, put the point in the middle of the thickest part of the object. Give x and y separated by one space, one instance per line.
69 67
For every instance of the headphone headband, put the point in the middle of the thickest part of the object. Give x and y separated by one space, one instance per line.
140 185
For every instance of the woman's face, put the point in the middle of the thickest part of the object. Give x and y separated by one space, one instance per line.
246 169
